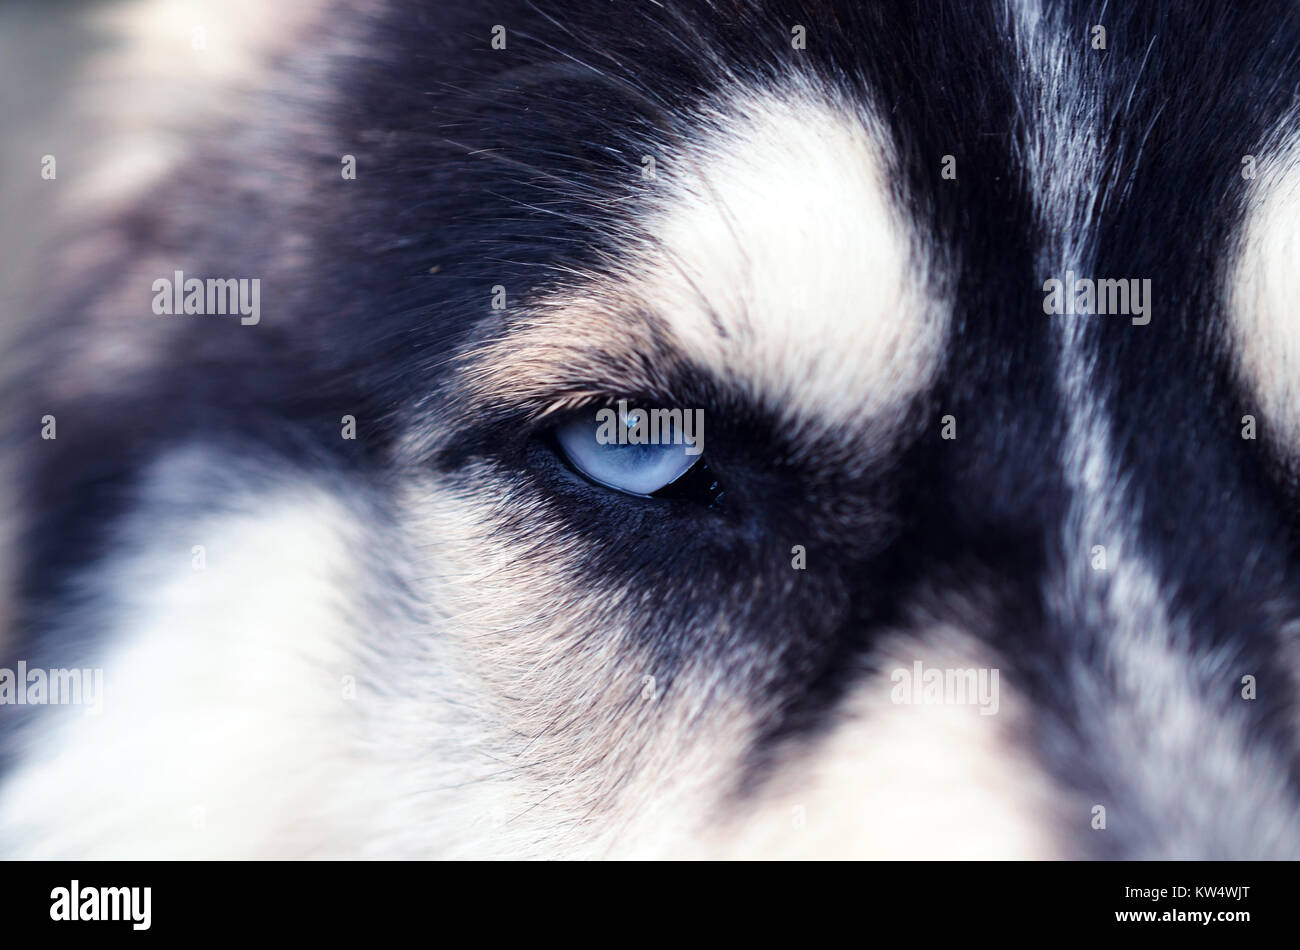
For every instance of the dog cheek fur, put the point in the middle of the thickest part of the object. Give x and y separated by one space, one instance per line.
606 742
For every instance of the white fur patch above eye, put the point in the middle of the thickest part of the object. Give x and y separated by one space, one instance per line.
780 257
1264 289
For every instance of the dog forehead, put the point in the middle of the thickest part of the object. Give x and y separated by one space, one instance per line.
782 258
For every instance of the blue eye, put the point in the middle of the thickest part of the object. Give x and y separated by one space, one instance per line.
592 445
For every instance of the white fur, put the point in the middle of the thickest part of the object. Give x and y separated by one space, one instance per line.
223 724
778 219
1264 288
901 781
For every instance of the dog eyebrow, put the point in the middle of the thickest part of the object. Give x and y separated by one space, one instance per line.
572 353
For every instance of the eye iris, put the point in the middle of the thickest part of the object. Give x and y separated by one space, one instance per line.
636 468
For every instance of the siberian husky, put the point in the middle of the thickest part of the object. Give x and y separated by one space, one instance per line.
663 428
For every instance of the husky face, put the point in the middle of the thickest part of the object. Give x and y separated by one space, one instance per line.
957 573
